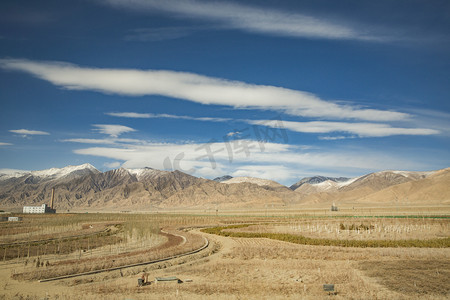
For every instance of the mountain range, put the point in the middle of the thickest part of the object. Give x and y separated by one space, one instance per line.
84 187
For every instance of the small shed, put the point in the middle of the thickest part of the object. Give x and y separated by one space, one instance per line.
15 219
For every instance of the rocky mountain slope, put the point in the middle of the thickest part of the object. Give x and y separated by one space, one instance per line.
430 187
66 173
317 180
377 188
258 181
84 187
223 178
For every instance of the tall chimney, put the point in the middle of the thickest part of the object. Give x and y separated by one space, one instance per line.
53 198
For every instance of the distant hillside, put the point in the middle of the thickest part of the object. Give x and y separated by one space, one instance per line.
223 178
380 187
258 181
132 189
84 187
316 180
431 187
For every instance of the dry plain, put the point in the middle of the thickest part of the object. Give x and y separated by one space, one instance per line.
259 255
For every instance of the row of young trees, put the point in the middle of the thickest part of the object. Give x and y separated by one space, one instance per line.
299 239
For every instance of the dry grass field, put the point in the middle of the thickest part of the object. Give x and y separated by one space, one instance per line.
361 228
230 267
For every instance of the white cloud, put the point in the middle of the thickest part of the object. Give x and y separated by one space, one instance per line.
279 162
359 129
233 133
438 120
334 138
271 172
12 173
113 130
108 141
195 88
252 19
26 132
164 116
354 129
112 165
130 115
5 144
90 141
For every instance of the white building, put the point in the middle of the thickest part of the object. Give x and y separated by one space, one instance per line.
38 209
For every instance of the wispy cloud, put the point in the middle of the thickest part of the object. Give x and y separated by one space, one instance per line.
5 144
280 162
195 88
359 129
280 173
253 19
112 165
334 138
130 115
91 141
165 116
112 130
26 132
233 133
356 129
107 141
13 171
438 120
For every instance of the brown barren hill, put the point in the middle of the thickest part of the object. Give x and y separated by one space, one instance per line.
83 187
433 189
239 194
382 187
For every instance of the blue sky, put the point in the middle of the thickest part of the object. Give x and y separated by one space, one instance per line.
271 89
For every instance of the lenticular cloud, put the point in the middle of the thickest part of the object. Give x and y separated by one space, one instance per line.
195 88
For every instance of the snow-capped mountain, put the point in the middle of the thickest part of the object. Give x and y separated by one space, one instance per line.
83 187
323 189
146 173
384 179
57 173
254 180
11 173
318 180
223 178
411 174
265 183
49 174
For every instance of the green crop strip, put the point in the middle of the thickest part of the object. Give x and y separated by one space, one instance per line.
298 239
